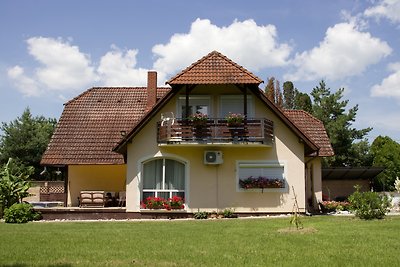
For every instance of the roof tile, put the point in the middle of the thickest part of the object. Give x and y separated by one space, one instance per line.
313 129
91 124
215 68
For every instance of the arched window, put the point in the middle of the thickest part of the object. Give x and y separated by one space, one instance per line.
163 178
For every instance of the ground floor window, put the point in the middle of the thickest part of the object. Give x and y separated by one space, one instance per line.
163 178
268 176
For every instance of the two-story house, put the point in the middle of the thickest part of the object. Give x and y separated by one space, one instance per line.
211 137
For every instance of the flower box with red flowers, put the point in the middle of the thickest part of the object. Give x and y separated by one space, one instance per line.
157 203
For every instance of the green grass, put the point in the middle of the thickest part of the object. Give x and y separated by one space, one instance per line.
338 241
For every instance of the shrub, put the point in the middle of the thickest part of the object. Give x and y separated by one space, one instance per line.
369 205
199 215
21 213
229 213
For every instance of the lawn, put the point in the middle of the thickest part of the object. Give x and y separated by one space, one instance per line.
334 241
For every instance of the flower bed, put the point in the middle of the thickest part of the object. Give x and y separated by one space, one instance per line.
261 182
174 203
330 206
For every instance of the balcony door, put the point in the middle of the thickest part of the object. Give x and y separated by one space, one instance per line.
234 104
197 104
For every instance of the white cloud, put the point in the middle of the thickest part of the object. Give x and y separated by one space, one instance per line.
24 84
244 42
64 68
389 9
117 68
390 86
345 51
63 65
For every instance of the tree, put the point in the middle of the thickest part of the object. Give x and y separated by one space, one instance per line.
25 139
386 153
14 184
331 110
273 92
302 101
289 93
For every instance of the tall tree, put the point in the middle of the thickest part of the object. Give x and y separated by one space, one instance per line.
25 139
289 93
273 92
270 89
302 101
331 110
386 153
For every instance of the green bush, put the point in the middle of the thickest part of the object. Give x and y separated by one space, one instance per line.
229 213
369 205
21 213
200 215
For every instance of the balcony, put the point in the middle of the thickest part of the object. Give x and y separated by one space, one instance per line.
215 132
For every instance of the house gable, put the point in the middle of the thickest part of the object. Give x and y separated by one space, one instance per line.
214 68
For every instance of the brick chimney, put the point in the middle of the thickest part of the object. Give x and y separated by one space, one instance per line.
151 89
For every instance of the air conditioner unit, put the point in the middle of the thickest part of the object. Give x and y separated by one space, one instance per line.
213 157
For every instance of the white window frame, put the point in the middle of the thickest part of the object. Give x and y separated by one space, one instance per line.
193 100
250 104
170 191
266 165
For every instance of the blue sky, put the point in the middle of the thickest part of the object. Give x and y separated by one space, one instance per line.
50 51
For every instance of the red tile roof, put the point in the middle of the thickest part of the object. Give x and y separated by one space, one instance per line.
215 68
91 124
313 128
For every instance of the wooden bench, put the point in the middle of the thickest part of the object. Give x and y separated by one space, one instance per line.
92 199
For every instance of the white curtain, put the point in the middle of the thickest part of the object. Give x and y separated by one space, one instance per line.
174 175
152 174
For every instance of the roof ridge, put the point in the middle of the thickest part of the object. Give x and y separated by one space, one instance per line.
209 56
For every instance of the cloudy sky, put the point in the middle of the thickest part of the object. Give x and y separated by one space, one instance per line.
51 51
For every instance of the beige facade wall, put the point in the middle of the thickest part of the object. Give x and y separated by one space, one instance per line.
211 187
109 178
313 182
343 188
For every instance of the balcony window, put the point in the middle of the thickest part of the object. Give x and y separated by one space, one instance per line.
234 104
197 104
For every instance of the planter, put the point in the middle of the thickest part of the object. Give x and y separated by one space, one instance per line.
261 183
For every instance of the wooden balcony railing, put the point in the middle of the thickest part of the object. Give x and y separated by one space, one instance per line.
215 131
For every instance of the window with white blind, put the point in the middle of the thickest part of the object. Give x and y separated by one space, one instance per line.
273 172
234 104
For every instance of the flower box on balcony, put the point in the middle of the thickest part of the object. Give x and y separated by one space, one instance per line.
234 119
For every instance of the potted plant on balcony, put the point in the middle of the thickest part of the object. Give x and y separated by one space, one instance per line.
199 119
261 182
234 119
